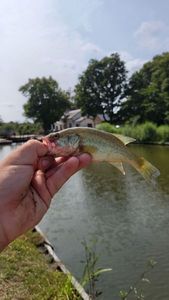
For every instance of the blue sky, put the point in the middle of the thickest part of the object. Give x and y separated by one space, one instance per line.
58 37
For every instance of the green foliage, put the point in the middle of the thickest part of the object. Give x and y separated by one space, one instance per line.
7 129
68 290
46 101
102 87
145 133
11 128
105 126
148 98
131 131
163 133
91 272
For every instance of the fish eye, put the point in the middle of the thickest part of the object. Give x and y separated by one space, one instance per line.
56 135
53 136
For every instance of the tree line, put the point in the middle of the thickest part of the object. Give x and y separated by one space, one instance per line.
104 88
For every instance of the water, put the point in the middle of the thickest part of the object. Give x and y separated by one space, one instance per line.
127 218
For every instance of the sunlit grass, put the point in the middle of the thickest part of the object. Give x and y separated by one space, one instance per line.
26 273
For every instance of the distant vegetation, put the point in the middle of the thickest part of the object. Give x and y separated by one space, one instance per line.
46 101
15 128
144 133
104 88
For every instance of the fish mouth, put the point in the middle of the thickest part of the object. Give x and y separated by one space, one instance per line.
52 137
50 140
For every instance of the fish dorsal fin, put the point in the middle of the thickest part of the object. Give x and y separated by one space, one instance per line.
119 166
125 139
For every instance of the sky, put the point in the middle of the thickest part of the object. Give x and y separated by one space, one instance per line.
59 37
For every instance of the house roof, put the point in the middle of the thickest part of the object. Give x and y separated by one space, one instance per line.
80 119
73 113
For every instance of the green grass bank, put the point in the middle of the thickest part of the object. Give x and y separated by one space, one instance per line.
27 273
143 133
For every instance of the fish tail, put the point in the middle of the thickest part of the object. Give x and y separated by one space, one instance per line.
147 170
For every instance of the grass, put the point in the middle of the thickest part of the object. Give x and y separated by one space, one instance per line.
26 273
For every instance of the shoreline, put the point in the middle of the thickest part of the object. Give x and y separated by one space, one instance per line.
18 139
4 142
60 266
151 143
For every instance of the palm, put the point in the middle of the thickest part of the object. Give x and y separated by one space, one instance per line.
26 187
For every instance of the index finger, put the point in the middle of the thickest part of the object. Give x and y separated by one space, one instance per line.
26 154
64 171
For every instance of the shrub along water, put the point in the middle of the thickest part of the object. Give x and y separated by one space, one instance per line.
107 127
143 133
163 133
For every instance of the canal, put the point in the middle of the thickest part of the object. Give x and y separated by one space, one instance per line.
126 219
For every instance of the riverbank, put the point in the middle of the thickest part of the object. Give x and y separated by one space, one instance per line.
19 139
5 142
28 271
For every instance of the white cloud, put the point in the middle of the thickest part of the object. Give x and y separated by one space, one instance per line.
132 64
79 14
153 35
35 41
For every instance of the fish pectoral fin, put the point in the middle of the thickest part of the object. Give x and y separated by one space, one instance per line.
119 166
125 139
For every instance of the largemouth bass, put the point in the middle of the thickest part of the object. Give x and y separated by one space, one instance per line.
102 146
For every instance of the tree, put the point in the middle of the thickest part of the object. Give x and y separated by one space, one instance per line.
1 121
148 98
102 87
46 101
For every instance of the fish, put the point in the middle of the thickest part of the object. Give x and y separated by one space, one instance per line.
102 146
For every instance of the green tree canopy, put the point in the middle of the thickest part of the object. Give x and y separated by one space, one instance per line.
149 93
46 101
101 87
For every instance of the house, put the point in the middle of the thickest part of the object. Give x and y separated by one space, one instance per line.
74 118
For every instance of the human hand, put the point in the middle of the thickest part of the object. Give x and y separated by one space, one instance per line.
29 178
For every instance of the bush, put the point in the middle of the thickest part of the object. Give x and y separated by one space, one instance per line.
163 133
107 127
148 132
129 130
